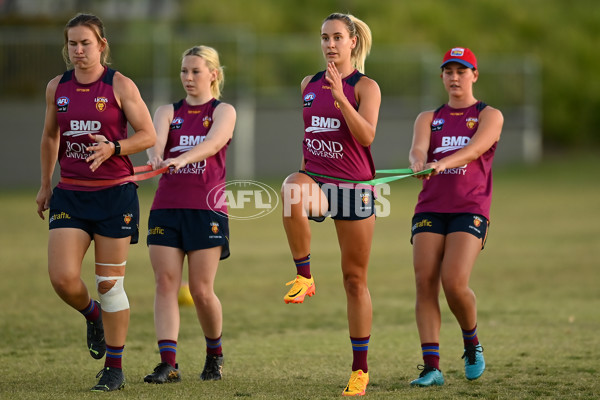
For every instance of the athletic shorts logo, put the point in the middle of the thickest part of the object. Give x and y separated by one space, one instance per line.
62 215
477 222
62 104
365 198
157 230
421 224
127 218
214 227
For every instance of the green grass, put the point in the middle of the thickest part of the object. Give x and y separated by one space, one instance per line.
537 285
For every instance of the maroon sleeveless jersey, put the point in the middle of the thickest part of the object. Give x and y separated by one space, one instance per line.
198 185
465 189
329 147
83 109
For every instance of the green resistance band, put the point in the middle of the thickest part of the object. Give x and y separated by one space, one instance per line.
400 174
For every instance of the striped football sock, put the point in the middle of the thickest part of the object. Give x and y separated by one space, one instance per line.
360 348
213 346
303 266
168 351
92 311
113 356
431 354
470 336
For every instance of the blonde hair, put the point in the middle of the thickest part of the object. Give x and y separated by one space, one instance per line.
211 57
357 28
94 23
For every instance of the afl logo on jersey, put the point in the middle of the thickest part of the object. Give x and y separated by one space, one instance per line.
62 104
437 124
206 121
176 123
308 99
101 103
471 122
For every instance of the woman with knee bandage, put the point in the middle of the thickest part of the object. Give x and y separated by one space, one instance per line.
85 129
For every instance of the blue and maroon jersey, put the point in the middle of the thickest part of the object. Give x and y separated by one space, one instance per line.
199 185
328 146
465 189
83 109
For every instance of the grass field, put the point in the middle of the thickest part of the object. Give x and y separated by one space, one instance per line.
537 283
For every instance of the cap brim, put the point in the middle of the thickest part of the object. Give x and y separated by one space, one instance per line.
458 60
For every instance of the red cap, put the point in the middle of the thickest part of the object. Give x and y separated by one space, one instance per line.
460 55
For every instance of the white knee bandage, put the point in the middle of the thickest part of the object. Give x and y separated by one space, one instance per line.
114 299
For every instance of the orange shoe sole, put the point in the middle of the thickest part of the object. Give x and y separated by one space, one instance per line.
300 299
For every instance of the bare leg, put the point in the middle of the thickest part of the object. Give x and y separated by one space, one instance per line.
203 265
167 263
462 250
355 239
301 196
66 249
428 250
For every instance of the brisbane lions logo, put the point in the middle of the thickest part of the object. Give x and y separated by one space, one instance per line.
101 103
127 218
365 198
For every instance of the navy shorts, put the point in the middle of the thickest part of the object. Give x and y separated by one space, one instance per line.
445 223
189 230
112 212
345 201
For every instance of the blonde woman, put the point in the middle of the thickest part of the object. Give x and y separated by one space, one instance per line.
341 109
192 139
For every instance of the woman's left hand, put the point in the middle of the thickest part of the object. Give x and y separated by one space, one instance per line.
174 164
101 150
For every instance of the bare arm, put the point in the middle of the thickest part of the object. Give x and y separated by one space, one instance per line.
417 157
162 121
303 85
219 134
138 116
48 149
488 133
362 123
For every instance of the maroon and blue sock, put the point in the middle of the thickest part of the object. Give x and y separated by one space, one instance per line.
92 311
113 356
431 354
470 336
213 346
168 351
303 266
360 348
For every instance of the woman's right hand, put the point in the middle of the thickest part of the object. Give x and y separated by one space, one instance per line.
43 200
155 162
